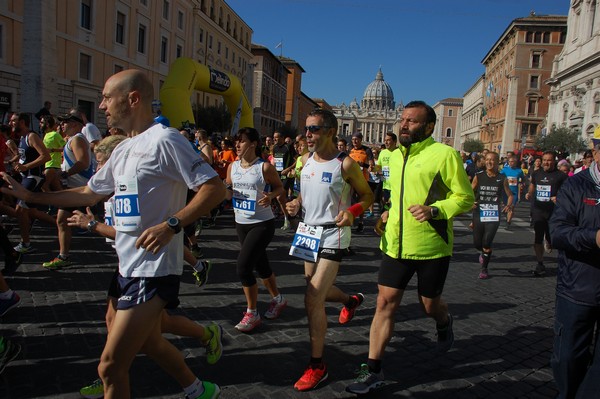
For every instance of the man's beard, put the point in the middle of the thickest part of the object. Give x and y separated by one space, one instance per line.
414 136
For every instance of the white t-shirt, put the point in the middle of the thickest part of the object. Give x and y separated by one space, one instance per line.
164 165
91 132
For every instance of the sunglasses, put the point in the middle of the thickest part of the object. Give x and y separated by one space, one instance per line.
315 128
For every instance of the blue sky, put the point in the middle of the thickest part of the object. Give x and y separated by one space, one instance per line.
427 49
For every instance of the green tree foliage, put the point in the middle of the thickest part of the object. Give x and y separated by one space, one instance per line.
562 140
213 119
471 145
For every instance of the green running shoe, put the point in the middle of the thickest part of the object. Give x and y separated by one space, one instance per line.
93 391
214 348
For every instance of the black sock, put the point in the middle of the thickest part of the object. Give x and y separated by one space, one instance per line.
374 365
316 362
486 259
351 302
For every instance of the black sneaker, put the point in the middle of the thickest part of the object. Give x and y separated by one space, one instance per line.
360 227
12 263
539 270
202 275
445 337
366 381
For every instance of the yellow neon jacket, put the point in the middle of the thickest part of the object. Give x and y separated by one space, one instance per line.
426 173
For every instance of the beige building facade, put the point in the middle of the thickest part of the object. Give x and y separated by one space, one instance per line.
472 114
516 99
64 51
575 81
269 92
449 114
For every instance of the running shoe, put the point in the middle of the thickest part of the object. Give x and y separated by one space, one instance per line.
311 378
547 246
10 353
348 313
93 391
10 303
480 259
275 309
369 214
57 263
249 322
12 263
202 275
539 270
211 391
286 225
483 274
366 381
360 227
445 336
214 348
23 248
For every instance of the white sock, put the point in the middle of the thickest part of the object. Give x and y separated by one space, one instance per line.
6 294
278 298
199 266
194 390
253 311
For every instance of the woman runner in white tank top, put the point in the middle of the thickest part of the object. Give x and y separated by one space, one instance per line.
247 181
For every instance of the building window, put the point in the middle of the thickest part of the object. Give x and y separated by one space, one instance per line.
144 2
201 32
528 129
85 66
165 9
532 107
226 52
449 132
180 20
118 68
450 112
534 82
218 47
179 52
164 44
537 37
141 48
529 37
120 30
1 41
546 37
210 41
596 103
87 107
536 60
86 14
565 113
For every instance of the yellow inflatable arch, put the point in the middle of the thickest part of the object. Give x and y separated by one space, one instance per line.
187 75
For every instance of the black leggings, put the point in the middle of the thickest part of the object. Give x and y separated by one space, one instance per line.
254 239
484 233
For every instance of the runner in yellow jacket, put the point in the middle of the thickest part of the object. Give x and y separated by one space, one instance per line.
429 187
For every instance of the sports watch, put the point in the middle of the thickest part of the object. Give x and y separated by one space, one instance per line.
435 212
91 226
174 223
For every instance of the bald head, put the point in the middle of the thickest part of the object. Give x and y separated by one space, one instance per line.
133 80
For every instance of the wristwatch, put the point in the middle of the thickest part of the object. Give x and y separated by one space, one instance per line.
174 223
91 226
435 212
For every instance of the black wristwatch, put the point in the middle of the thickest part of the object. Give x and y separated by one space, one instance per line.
435 212
91 226
174 223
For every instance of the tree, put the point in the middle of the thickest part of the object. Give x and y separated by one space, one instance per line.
562 140
213 119
471 145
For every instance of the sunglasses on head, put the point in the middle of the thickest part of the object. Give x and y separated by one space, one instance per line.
315 128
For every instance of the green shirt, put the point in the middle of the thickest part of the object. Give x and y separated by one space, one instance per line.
54 141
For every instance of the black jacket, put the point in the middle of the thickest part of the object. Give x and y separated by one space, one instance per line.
573 227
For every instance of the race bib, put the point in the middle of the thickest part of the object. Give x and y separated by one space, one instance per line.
386 172
126 205
513 181
306 242
542 192
108 216
489 213
244 201
278 164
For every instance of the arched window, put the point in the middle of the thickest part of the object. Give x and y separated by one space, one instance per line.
449 132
